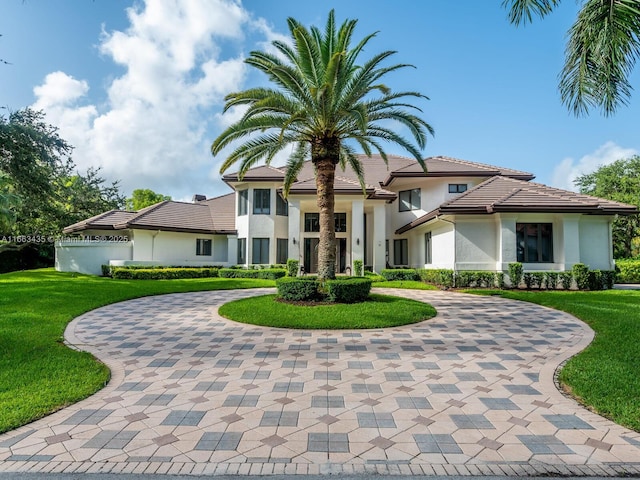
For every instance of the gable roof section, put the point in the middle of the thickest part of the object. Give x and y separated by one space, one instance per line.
216 215
264 173
502 194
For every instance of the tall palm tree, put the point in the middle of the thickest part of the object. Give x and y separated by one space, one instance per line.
602 49
322 99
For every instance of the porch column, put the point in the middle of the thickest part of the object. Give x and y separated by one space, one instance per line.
570 240
232 249
357 232
294 230
507 241
379 236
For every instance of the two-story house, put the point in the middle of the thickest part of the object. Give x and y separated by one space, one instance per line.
459 215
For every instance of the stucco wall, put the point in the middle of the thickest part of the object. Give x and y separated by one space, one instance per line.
88 257
476 244
595 242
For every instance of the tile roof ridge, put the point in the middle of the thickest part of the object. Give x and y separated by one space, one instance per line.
485 166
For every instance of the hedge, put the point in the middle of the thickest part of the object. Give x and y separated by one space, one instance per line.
628 271
350 290
107 270
297 289
399 274
265 273
123 273
474 278
441 277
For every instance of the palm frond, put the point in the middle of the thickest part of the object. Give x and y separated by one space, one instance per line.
294 166
522 11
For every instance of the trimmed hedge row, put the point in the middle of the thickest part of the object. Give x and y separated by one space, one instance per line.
628 271
266 273
162 273
393 274
308 289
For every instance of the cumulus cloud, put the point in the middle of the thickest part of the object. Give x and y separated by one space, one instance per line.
160 116
569 168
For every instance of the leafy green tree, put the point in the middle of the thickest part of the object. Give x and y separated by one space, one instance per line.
602 48
323 103
141 198
619 181
9 202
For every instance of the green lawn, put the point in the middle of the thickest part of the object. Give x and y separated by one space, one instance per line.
38 374
380 311
606 375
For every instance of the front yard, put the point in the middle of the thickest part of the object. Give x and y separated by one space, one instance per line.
38 374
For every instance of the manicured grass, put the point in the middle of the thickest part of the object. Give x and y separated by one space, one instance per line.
379 311
38 374
606 375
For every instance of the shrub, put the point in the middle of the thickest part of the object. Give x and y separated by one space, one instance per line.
441 277
374 277
551 280
528 280
169 273
474 278
357 267
106 270
399 274
566 278
608 279
581 274
596 280
499 279
292 267
515 274
628 271
265 273
350 290
538 279
296 289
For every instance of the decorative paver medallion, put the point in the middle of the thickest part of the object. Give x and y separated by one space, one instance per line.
472 387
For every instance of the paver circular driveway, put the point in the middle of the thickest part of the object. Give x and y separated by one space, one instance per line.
469 391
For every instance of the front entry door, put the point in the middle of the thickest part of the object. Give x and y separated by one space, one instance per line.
311 255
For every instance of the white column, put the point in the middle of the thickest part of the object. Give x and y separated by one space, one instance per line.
379 236
570 240
357 232
507 241
294 230
232 249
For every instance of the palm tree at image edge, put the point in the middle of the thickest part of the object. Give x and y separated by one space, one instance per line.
322 104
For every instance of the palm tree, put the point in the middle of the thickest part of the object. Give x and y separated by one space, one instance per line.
322 99
603 46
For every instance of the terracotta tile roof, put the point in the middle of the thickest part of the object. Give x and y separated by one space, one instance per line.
103 221
223 212
257 174
503 194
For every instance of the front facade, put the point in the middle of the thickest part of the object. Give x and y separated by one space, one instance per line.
459 215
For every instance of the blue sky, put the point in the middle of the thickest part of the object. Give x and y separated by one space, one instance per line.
138 87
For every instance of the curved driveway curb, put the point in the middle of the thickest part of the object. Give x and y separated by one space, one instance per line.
468 392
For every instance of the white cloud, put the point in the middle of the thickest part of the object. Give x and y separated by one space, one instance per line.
156 127
569 169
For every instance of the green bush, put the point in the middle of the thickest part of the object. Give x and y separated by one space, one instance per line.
399 274
515 274
551 280
292 267
528 280
608 279
539 279
374 277
265 273
441 277
349 290
499 279
628 271
106 270
357 267
124 273
296 289
566 278
474 279
581 274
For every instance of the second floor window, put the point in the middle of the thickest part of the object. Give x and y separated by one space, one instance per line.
311 222
243 200
409 200
457 187
282 206
261 201
341 222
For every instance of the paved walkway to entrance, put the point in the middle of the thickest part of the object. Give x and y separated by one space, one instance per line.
470 391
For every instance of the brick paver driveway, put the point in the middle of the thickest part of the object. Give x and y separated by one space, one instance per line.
470 391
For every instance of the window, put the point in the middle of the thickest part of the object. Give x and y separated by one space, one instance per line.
341 222
311 222
282 206
428 253
242 251
243 199
261 201
203 247
401 252
410 200
282 251
534 242
457 187
260 251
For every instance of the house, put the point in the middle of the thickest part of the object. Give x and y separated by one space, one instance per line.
459 215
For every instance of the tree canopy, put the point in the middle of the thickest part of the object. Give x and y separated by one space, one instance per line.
144 197
324 102
619 181
602 48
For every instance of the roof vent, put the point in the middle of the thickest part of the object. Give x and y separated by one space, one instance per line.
199 198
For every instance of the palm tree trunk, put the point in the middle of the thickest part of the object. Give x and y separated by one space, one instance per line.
325 175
